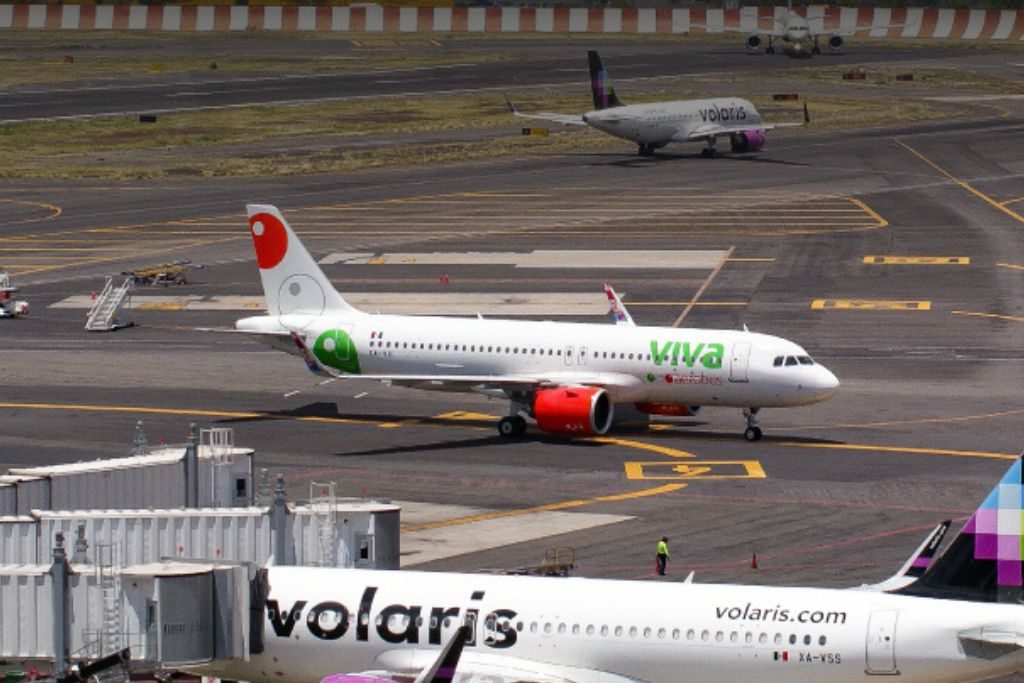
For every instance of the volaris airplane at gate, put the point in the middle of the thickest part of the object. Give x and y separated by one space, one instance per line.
961 621
571 378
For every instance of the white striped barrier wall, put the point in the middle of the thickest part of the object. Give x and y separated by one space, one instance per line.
876 22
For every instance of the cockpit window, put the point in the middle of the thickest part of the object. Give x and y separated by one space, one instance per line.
791 360
778 361
805 360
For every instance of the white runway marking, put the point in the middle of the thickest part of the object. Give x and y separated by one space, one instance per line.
427 545
489 304
633 260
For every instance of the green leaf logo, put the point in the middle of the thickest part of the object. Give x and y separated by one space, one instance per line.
336 349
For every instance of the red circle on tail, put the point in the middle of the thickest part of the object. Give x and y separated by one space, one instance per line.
270 239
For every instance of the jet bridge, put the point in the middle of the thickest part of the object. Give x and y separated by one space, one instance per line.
168 614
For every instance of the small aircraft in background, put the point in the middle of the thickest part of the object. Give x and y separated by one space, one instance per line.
799 40
656 124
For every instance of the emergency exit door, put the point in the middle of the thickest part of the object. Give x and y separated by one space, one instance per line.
881 643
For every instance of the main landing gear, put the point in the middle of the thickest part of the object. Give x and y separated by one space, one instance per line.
647 150
770 50
752 432
709 151
512 426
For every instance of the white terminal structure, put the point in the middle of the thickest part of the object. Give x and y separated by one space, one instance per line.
101 556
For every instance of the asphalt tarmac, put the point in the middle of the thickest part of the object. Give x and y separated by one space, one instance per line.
891 254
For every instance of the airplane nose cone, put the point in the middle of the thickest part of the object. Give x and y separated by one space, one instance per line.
825 383
586 118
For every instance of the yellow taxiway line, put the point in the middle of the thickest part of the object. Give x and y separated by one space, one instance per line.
549 507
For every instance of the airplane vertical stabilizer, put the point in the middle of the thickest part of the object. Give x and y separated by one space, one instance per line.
600 84
984 562
292 281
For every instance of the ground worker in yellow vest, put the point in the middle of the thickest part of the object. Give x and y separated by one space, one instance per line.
662 555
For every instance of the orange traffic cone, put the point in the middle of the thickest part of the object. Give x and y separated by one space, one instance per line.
753 561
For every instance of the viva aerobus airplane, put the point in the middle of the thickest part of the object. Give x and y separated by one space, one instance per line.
961 621
656 124
572 378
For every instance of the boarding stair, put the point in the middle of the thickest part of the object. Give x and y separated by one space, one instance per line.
112 308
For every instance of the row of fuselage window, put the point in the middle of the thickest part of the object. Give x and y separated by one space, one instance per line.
647 633
512 350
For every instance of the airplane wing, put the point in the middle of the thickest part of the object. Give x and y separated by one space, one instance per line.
442 381
441 670
915 565
562 119
500 668
709 129
618 310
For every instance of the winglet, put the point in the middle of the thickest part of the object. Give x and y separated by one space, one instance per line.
618 310
916 565
443 669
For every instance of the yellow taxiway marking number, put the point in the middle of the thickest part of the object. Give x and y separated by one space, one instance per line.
564 505
870 305
701 469
917 260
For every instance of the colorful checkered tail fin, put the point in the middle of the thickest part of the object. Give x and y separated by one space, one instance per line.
600 84
293 283
984 561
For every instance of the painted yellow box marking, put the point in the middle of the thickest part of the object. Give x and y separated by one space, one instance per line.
870 305
917 260
695 469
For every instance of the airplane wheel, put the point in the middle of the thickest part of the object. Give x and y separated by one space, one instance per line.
770 51
815 50
507 427
520 425
512 426
752 434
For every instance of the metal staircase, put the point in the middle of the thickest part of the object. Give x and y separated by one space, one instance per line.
109 575
112 308
219 442
324 501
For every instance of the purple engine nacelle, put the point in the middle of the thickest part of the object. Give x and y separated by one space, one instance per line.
747 141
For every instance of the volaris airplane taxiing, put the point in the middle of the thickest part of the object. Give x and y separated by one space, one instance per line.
571 378
961 621
656 124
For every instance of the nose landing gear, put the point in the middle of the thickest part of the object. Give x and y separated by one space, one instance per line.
752 432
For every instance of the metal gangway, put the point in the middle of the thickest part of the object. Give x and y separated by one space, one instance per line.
112 308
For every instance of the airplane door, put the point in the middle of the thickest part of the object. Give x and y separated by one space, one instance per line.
581 356
740 362
881 643
568 355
